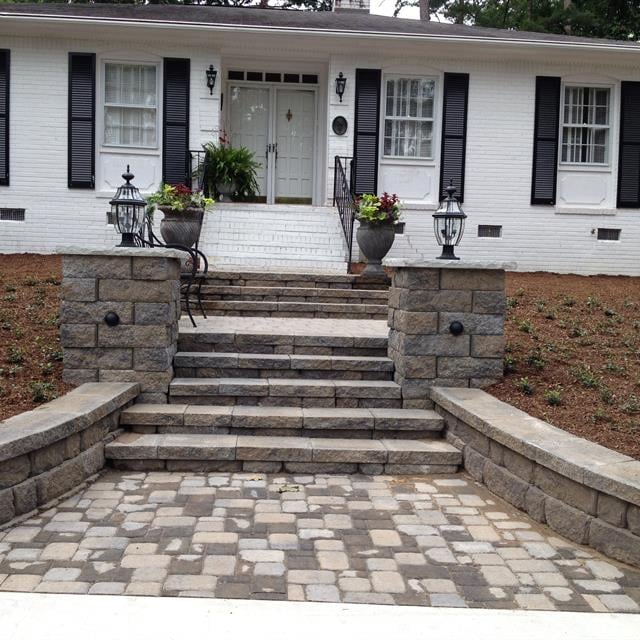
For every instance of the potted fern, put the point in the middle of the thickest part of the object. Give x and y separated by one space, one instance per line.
379 218
230 172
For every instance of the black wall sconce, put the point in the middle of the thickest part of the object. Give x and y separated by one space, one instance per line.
212 74
341 83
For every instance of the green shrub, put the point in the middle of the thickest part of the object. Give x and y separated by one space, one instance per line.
553 397
525 386
42 391
585 376
15 355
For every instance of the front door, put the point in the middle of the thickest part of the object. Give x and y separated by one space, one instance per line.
278 126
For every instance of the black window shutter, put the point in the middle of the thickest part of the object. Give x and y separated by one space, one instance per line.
175 126
454 132
629 158
366 130
545 140
4 116
82 121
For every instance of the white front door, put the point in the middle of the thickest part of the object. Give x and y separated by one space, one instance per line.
278 125
295 135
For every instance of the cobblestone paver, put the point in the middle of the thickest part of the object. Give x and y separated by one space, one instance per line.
439 541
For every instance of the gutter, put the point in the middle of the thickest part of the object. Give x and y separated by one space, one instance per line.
340 33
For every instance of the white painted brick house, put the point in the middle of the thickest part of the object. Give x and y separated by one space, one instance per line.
539 133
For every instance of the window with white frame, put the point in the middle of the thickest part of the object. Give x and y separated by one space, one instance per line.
408 117
130 105
585 125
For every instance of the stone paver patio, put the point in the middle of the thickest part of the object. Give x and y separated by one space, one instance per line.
439 541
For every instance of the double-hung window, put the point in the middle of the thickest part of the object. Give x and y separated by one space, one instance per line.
585 125
408 117
130 105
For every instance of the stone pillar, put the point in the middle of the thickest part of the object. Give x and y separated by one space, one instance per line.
141 286
426 297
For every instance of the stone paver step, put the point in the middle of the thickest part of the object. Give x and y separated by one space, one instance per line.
312 336
287 392
195 364
296 309
294 294
331 280
357 423
261 452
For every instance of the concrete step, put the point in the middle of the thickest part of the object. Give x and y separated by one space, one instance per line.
283 421
296 309
315 336
295 294
286 392
255 365
273 454
253 278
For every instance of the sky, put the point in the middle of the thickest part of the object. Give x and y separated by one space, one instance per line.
385 8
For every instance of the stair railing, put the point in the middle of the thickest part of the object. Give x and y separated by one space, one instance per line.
345 200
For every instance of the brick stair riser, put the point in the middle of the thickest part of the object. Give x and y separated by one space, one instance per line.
239 278
295 294
305 374
286 401
269 263
267 466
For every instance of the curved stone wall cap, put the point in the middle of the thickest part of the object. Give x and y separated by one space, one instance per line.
122 252
434 263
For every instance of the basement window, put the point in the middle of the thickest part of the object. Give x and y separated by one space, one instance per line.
612 235
12 215
489 231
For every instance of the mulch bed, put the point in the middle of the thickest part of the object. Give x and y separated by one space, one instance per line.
30 352
573 355
573 348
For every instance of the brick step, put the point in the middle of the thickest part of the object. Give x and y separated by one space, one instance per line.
196 364
283 421
296 309
295 294
283 262
286 392
293 279
203 340
293 236
272 454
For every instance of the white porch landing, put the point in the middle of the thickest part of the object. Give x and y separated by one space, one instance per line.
274 237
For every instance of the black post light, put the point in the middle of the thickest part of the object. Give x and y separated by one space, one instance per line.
212 74
127 209
448 224
341 83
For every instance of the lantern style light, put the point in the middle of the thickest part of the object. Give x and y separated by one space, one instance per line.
212 74
127 209
448 224
341 83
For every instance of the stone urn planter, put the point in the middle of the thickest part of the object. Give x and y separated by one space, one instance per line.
375 241
226 191
181 227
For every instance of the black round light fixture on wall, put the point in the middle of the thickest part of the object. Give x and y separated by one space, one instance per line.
212 74
339 125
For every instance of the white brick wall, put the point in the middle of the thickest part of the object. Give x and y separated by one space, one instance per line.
498 171
56 215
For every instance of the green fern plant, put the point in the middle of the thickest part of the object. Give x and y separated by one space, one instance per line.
224 164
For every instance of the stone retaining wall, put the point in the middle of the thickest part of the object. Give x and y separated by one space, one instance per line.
141 286
585 492
51 450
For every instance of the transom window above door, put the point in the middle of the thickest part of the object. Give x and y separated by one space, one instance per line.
585 125
409 117
130 105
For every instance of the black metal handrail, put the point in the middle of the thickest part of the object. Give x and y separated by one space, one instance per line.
198 172
344 199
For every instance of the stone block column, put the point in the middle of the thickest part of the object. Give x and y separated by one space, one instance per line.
142 288
428 302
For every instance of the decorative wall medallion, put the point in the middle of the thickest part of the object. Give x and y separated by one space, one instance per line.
339 125
289 115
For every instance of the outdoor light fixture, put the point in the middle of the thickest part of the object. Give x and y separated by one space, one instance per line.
127 209
448 224
212 74
341 83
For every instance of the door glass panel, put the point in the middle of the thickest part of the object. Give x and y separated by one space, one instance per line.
250 125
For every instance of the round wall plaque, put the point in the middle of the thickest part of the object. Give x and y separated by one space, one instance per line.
339 125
